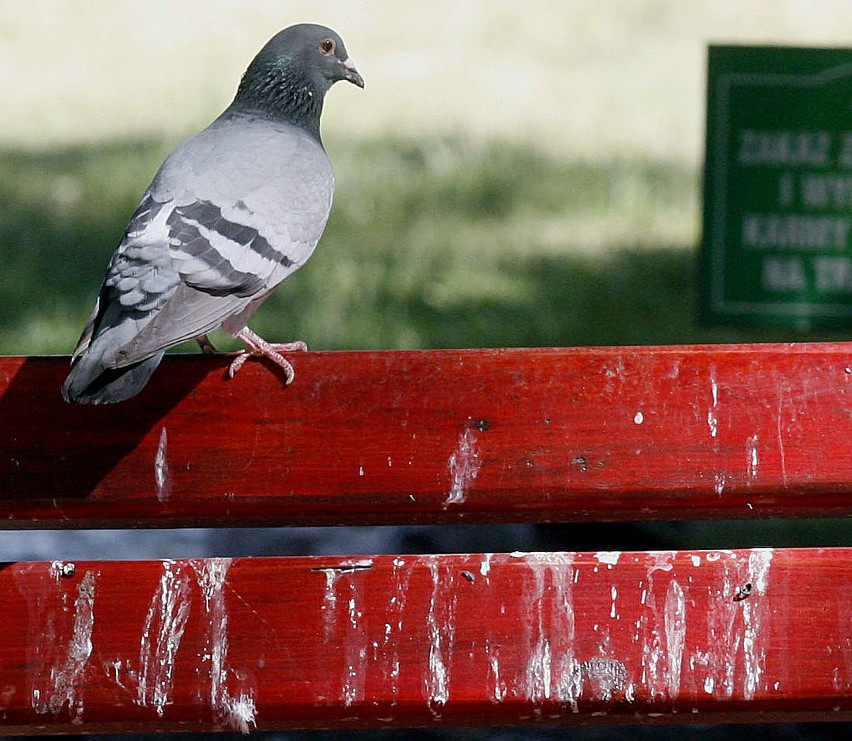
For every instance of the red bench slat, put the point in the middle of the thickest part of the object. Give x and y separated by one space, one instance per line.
555 638
439 436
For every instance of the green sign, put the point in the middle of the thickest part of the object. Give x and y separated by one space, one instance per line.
777 247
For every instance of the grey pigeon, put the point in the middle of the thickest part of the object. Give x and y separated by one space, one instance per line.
231 213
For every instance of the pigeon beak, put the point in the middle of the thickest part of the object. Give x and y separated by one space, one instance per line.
351 74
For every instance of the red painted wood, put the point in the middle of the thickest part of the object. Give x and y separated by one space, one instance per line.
438 436
556 638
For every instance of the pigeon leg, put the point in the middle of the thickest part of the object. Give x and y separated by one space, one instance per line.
207 347
256 345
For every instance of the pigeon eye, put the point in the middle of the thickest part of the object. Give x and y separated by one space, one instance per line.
327 46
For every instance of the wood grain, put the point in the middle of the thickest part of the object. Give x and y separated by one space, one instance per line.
523 638
438 436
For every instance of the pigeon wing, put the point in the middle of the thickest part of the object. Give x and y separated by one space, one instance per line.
138 283
249 212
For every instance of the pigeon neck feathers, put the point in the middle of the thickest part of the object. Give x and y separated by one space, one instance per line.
289 77
283 91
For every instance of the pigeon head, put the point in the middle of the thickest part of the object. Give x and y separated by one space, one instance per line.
289 77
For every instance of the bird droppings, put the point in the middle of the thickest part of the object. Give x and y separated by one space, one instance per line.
463 467
355 663
234 710
341 588
165 623
660 561
603 678
485 564
675 626
62 569
343 616
61 648
608 557
329 603
441 627
638 418
712 418
754 612
552 669
241 713
79 648
162 475
752 457
414 629
779 416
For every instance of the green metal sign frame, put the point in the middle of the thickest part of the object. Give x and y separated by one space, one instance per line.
777 244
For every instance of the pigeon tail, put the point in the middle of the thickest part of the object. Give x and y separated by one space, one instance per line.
92 382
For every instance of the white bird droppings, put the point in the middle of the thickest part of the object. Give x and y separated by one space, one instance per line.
236 710
675 626
63 683
241 712
608 557
752 457
754 612
712 419
162 476
441 623
464 467
552 669
164 627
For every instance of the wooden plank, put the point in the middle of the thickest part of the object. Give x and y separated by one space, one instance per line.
555 638
439 436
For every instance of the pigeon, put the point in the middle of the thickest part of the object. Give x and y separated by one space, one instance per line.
231 213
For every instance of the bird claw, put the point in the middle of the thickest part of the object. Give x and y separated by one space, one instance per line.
207 347
258 347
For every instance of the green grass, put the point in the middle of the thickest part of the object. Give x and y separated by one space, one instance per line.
439 243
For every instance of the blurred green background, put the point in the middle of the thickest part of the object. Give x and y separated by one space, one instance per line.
505 179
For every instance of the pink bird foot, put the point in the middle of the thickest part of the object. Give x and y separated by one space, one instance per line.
257 346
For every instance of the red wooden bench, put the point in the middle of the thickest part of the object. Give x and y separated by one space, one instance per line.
486 436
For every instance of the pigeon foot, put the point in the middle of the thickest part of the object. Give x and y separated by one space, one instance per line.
207 347
257 346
